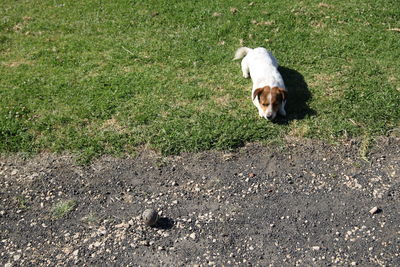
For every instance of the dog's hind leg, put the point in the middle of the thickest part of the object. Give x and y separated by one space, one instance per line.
245 69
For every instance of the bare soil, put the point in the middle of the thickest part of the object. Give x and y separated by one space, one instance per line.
305 203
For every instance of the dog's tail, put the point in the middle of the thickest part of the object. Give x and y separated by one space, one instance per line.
241 52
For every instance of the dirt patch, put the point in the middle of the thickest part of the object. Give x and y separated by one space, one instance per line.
17 63
113 125
306 203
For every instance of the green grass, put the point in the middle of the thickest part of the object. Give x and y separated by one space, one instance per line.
105 77
62 208
22 202
91 218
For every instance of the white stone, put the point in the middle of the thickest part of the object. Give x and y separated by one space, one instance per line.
373 210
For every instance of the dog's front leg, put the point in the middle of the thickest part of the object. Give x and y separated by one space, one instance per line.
282 111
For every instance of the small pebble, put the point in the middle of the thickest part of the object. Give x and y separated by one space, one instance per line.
144 243
374 210
17 257
122 225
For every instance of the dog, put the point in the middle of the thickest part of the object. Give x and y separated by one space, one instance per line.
269 93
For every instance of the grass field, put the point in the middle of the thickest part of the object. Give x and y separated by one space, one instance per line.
105 77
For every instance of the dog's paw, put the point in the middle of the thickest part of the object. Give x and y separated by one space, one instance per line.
246 75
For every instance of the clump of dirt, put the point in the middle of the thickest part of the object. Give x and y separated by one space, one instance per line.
307 203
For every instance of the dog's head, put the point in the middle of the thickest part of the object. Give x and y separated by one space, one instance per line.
271 100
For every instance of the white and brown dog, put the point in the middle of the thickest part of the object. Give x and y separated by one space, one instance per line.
269 93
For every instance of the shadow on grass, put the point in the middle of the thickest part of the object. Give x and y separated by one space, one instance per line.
299 95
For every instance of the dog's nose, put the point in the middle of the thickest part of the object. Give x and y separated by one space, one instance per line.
269 117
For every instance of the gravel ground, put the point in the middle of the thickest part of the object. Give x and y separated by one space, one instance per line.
306 203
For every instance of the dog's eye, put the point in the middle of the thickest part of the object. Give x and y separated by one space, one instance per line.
265 105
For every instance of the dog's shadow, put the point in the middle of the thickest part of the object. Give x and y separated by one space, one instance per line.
299 96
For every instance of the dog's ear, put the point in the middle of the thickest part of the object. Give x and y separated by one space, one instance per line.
257 92
284 93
